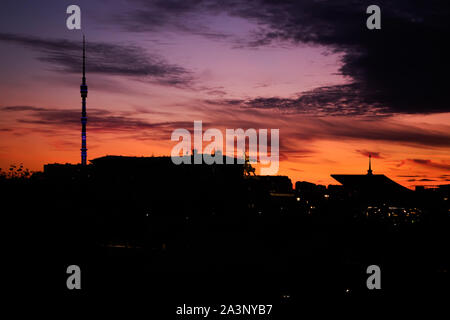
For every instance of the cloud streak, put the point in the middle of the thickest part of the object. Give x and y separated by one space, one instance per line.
367 153
104 58
340 100
430 164
373 130
99 120
307 128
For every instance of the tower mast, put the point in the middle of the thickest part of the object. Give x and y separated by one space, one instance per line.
84 92
369 172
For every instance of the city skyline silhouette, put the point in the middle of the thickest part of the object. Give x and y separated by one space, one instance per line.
362 135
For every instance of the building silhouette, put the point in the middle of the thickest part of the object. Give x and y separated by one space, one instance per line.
370 185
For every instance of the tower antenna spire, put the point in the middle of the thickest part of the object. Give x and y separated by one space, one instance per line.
84 58
84 92
369 172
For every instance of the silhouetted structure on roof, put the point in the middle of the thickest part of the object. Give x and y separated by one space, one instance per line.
369 172
370 185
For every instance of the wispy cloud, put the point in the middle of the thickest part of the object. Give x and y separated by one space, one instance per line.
431 164
296 141
367 153
342 100
100 120
104 58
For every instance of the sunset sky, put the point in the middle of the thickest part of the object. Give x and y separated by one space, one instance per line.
336 90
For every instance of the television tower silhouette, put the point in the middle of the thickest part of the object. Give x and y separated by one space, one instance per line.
84 92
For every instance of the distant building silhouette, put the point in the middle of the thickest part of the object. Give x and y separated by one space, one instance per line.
370 185
159 184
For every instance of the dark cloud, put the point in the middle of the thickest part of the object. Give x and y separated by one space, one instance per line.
104 58
410 176
340 128
309 127
430 164
345 100
21 108
402 68
367 153
293 142
226 102
421 180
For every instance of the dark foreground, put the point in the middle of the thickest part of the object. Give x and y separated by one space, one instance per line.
177 250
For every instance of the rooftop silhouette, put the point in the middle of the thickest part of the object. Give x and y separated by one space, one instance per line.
370 184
